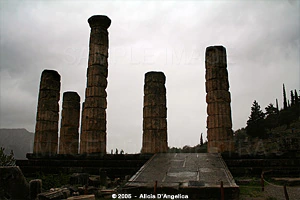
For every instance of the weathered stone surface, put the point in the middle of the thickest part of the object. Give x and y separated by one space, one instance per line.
69 136
35 188
219 108
79 179
52 195
218 100
219 133
154 100
159 111
219 121
218 96
216 84
93 127
46 129
83 197
13 184
216 73
95 103
96 81
96 92
97 70
155 114
93 124
155 124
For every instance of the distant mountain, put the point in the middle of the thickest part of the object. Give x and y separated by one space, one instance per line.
18 140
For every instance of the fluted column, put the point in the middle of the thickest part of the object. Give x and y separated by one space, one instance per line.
93 136
155 114
46 129
218 100
69 136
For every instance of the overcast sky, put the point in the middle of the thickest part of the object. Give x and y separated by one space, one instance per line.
261 38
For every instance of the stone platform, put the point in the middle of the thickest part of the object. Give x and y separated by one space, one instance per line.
197 175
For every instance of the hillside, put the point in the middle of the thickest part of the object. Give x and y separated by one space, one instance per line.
18 140
280 140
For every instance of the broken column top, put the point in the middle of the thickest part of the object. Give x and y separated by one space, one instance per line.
214 48
47 73
71 96
99 20
155 77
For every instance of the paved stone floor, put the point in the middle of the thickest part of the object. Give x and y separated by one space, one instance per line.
183 170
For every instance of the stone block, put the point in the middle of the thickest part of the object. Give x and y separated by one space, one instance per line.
96 81
155 100
35 188
90 124
155 124
83 197
97 59
155 111
97 70
158 77
95 92
218 96
47 115
219 108
219 121
216 73
95 102
48 105
216 84
13 184
155 88
52 195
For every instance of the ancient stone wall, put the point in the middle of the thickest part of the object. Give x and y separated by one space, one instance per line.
218 100
155 114
69 136
93 136
46 129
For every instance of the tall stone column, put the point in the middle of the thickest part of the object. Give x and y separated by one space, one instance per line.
93 136
69 136
46 129
155 114
218 100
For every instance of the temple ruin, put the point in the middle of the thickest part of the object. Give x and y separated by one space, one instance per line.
93 113
218 100
155 114
46 129
93 122
69 136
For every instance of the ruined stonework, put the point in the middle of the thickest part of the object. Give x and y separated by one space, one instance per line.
69 136
218 100
155 114
93 135
46 129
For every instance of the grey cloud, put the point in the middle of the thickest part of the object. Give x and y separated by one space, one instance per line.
261 38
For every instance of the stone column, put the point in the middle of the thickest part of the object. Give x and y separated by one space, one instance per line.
155 114
218 100
69 136
93 136
46 129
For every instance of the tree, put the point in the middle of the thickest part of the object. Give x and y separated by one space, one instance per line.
255 124
292 98
201 139
7 160
296 97
284 99
277 106
270 110
286 117
271 120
